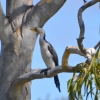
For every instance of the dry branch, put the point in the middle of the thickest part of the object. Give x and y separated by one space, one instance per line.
35 74
69 50
97 45
82 26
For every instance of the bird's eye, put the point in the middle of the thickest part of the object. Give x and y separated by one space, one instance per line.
35 28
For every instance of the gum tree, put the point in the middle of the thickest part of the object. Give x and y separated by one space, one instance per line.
17 46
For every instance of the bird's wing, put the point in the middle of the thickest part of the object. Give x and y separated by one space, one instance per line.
53 52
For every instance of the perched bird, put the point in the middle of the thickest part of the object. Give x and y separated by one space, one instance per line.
49 55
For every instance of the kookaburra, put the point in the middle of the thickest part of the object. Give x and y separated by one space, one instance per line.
48 53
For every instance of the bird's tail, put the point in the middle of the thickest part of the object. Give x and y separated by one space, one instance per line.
56 80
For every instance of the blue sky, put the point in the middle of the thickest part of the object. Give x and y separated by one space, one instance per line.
62 30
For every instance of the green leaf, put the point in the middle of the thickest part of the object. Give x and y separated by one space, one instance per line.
86 77
96 95
75 87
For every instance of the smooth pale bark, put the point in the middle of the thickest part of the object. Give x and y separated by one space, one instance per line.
16 55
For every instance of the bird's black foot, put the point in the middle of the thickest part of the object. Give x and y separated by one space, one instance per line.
45 71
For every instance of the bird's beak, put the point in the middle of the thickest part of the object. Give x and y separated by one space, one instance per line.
32 29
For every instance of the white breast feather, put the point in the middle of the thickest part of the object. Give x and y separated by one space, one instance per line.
46 55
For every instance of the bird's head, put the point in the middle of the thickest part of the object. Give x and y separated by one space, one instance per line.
37 30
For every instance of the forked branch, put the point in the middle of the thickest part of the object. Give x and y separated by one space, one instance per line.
35 74
82 26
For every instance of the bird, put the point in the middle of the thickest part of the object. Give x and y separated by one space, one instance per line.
48 53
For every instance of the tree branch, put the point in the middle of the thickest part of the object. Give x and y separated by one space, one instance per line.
16 5
44 10
97 45
80 20
90 52
4 29
81 24
80 45
69 50
35 74
2 19
2 16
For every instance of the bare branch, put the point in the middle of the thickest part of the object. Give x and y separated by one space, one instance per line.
2 18
44 10
90 52
80 20
16 5
35 74
80 45
81 24
69 50
97 45
4 23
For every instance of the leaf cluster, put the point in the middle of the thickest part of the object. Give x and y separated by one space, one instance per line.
88 80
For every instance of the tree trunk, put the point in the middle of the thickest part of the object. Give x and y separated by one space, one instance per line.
18 43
